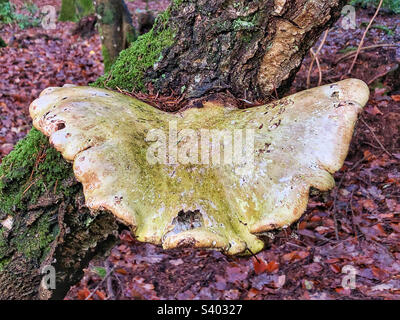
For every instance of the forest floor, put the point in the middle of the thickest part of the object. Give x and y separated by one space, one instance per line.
355 227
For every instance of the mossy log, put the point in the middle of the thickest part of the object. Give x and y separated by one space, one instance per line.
248 48
44 222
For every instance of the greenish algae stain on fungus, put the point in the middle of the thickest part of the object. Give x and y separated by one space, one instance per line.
299 142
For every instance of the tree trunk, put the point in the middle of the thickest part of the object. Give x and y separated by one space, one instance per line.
247 48
74 10
115 28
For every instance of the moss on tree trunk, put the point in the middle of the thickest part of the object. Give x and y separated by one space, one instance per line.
44 222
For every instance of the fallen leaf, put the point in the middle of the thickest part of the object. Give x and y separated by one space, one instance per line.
260 265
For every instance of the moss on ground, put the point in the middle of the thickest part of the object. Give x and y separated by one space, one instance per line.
128 71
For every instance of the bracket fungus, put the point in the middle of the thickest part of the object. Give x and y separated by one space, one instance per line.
212 177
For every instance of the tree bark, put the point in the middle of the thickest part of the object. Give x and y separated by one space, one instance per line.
3 44
115 28
247 48
44 223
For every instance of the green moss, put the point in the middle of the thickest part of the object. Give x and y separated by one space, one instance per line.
84 7
3 244
3 251
34 241
74 10
242 25
128 71
131 35
2 43
106 59
108 16
68 11
30 170
176 3
3 263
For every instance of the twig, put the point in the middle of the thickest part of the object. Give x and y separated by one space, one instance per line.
334 209
382 74
355 165
100 283
33 182
55 187
352 53
251 252
363 37
353 219
315 56
110 290
318 66
375 137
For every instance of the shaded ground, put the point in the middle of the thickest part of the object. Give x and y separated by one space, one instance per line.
357 224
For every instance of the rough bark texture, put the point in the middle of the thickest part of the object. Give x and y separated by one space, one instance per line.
81 236
115 27
247 47
45 228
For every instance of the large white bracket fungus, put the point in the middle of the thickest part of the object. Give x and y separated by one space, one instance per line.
188 193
